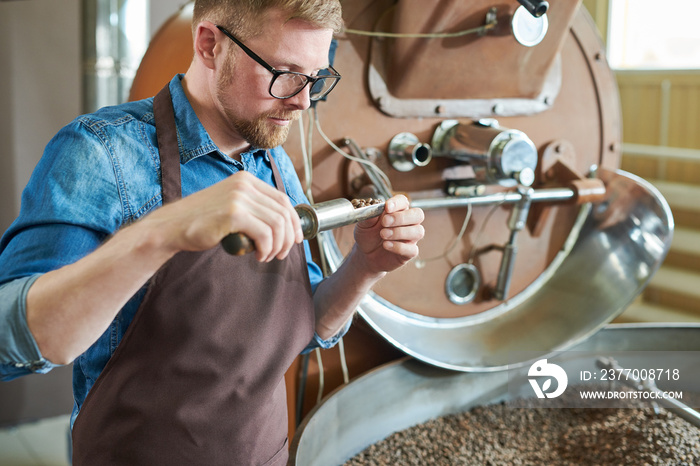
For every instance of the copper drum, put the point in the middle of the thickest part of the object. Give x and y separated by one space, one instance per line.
556 235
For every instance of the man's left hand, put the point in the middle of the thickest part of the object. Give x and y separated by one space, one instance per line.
390 240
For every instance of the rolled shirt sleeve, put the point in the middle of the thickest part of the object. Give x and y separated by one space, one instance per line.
70 205
19 353
318 342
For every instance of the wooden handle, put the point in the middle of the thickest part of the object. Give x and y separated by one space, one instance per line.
238 244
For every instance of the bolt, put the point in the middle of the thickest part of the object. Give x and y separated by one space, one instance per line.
593 171
373 153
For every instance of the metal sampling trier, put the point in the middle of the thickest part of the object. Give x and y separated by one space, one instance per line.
314 218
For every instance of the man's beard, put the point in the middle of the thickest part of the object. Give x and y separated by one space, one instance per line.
259 132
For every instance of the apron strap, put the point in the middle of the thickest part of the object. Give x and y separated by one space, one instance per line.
276 173
169 153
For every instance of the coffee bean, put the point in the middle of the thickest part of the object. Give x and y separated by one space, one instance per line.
357 203
509 434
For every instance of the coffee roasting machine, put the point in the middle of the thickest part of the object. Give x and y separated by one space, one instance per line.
502 121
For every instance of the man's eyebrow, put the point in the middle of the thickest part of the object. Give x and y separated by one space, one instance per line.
293 66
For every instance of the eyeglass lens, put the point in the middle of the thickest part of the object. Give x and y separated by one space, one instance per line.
289 84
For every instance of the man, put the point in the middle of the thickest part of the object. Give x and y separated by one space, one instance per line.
180 349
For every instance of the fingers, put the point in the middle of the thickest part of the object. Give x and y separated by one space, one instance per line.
400 222
401 228
264 214
397 232
403 218
403 249
396 203
239 204
397 211
409 234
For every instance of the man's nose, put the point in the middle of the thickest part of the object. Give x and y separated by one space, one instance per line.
301 101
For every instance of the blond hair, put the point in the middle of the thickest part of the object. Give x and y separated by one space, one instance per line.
244 18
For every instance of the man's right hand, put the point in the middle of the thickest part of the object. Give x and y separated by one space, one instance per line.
240 203
69 308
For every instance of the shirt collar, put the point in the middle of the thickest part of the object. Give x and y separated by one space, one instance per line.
193 139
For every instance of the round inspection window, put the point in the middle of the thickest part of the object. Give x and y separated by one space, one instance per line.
462 283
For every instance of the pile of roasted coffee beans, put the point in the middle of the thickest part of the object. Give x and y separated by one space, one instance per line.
505 434
357 203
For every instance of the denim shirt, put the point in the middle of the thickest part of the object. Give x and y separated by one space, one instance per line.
98 174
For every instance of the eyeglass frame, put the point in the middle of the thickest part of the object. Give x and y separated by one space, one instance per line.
276 73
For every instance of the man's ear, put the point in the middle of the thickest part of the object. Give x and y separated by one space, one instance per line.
206 45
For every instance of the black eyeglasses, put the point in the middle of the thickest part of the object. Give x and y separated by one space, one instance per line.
286 84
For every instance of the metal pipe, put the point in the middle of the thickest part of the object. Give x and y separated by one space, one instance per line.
376 179
498 155
333 214
536 8
115 37
406 152
512 197
517 221
315 218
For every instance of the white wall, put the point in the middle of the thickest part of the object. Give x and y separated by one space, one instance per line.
40 91
40 83
39 87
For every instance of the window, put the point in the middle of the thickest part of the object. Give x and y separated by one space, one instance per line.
653 34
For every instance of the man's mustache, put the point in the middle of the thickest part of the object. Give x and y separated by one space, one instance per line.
292 116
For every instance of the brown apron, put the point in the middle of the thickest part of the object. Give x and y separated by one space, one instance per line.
198 378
